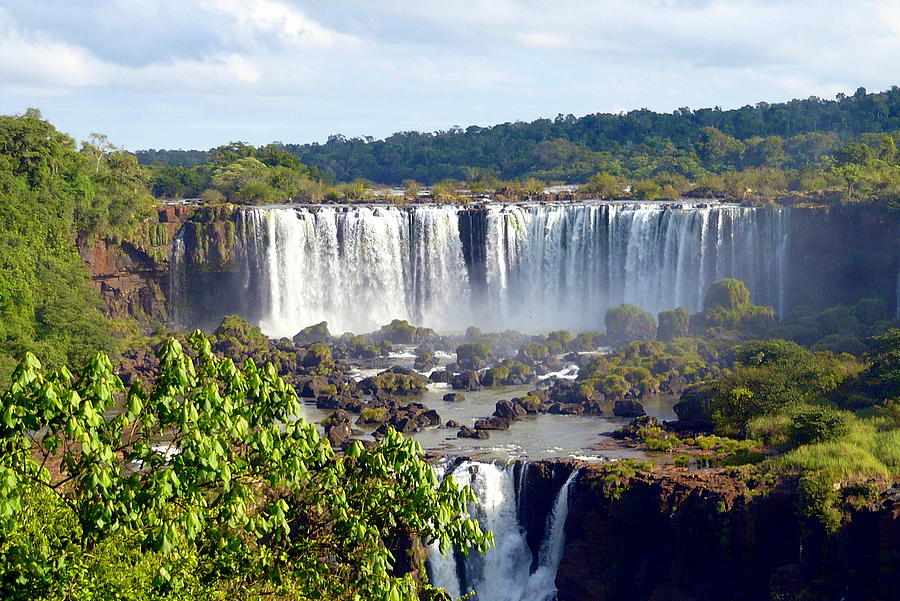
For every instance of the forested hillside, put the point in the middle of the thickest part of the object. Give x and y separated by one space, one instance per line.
52 192
637 144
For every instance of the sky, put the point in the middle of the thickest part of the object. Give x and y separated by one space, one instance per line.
200 73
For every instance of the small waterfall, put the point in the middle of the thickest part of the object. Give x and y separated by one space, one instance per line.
542 582
176 277
504 573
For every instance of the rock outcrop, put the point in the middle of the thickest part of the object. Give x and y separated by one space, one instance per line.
132 275
699 536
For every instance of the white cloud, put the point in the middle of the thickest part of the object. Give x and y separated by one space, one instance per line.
215 73
265 20
360 67
34 57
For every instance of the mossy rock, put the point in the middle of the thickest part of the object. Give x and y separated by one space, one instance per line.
627 322
473 355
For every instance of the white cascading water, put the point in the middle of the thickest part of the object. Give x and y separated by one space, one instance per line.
554 261
542 582
545 266
504 572
355 267
176 273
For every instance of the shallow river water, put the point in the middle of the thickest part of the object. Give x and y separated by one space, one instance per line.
531 437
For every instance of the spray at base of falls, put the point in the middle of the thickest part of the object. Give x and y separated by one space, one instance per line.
508 571
499 266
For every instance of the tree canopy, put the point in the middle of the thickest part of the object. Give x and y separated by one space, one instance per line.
207 485
51 193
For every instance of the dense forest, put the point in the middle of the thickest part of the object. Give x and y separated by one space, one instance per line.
846 145
53 192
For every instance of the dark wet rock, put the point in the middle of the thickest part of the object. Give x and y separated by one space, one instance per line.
631 431
542 394
466 432
338 433
509 410
425 361
404 425
492 423
567 391
311 334
693 410
469 380
566 409
328 402
530 406
431 418
365 442
314 386
787 583
440 375
352 404
452 423
454 397
628 408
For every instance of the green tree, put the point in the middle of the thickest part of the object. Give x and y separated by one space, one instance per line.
602 185
673 324
627 322
209 484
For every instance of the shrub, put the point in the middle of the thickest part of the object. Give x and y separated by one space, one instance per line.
395 383
554 346
817 501
564 337
771 430
817 424
673 324
658 444
837 320
399 331
374 415
627 322
583 342
870 310
318 356
533 350
618 474
727 294
473 355
240 330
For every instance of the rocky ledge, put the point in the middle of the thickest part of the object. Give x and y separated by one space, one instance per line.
672 534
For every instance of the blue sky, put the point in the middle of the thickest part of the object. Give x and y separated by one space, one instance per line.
198 73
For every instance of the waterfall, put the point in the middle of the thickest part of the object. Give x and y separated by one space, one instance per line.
355 267
176 275
530 267
504 573
542 582
554 261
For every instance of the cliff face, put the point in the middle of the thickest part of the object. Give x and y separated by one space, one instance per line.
842 254
132 276
679 536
